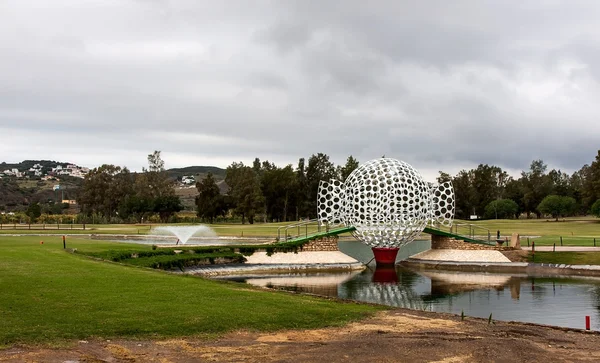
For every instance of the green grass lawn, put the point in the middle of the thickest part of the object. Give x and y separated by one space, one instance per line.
77 229
583 227
268 230
575 231
49 296
569 258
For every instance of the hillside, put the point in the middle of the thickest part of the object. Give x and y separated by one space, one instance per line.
17 191
199 172
28 164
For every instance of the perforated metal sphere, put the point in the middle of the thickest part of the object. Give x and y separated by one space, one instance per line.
387 201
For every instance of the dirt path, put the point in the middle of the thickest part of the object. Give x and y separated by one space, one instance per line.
390 336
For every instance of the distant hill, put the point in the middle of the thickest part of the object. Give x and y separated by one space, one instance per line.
16 193
28 164
199 172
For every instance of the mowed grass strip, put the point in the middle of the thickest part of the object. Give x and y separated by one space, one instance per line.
568 258
49 295
570 227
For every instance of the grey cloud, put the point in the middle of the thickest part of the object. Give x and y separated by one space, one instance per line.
442 85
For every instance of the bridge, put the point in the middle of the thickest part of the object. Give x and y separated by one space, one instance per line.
309 230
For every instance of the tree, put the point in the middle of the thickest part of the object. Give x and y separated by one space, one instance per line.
279 189
443 177
465 194
591 182
488 183
34 211
346 170
501 209
319 168
559 183
94 195
536 186
596 208
514 192
166 206
154 181
302 203
557 206
245 191
155 162
209 202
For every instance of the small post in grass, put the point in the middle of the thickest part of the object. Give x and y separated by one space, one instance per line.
64 242
533 251
587 322
554 248
561 240
527 241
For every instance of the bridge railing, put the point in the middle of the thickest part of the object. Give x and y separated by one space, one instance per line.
471 231
295 230
303 229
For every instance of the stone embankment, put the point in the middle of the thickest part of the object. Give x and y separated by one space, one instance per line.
316 255
450 254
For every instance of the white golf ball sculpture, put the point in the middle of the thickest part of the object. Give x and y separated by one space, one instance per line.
388 203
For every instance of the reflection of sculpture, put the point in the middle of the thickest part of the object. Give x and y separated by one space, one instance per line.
388 203
389 292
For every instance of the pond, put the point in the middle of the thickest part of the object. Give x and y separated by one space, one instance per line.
544 300
551 300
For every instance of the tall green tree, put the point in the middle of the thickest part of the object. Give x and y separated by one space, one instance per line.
559 183
319 168
94 195
345 171
279 189
245 191
514 192
443 177
154 181
302 203
209 202
596 209
34 211
166 206
536 186
591 182
466 195
557 206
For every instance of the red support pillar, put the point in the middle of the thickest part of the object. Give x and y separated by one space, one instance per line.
385 256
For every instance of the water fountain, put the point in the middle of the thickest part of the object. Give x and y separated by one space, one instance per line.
184 233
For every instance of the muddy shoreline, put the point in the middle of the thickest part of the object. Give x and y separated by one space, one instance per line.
393 335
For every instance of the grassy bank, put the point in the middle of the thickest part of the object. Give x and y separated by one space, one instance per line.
546 232
568 258
574 231
49 295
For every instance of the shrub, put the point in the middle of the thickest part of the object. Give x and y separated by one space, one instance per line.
557 206
501 208
596 208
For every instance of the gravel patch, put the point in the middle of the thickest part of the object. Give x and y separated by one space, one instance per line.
299 258
461 256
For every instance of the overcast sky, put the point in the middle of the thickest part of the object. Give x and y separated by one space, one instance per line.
442 85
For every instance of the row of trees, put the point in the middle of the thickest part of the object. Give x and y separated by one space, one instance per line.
490 192
267 192
264 189
115 193
288 193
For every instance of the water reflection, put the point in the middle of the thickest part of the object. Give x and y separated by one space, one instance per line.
537 299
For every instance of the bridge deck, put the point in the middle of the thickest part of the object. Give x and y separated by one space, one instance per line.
342 230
